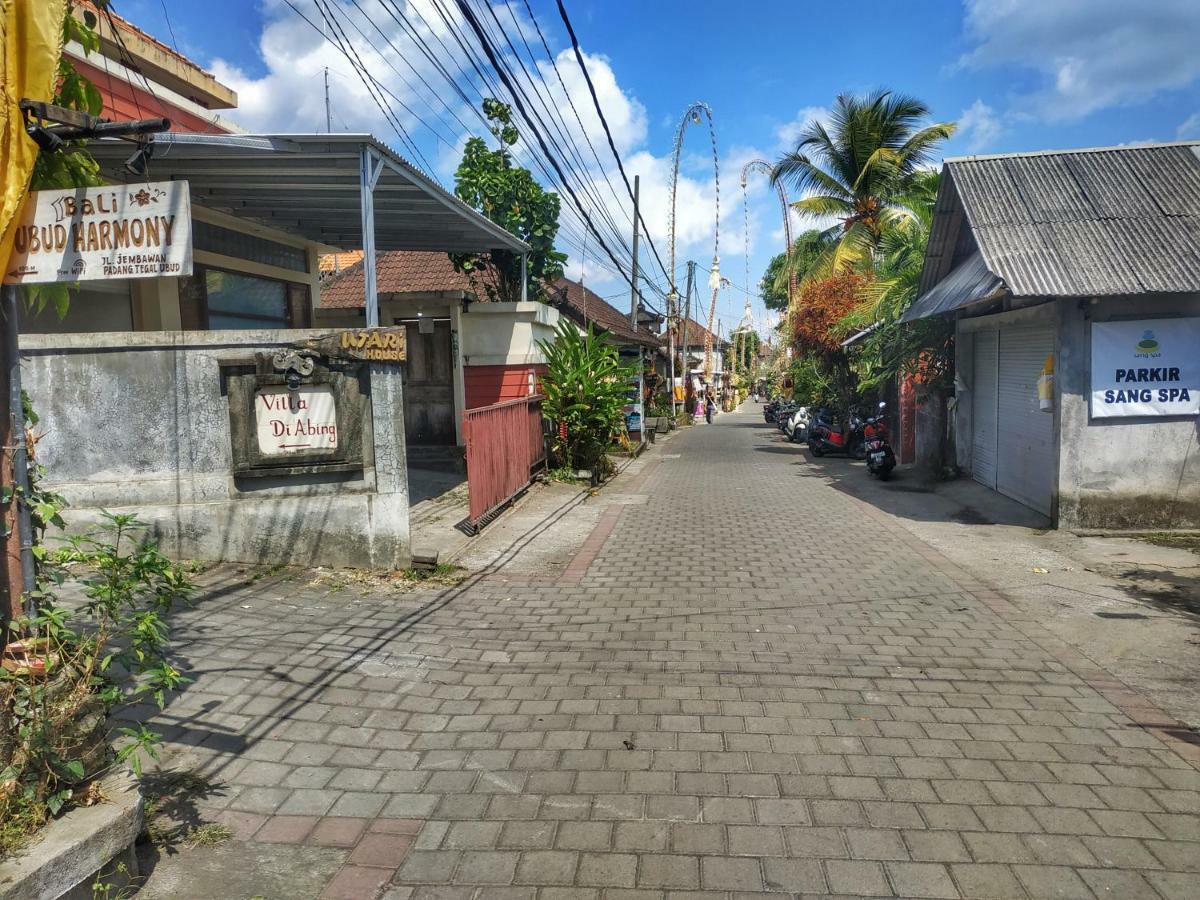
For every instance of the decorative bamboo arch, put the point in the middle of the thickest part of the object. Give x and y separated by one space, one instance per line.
763 167
697 113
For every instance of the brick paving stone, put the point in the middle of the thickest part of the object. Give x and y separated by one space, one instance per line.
1053 881
1126 885
355 883
387 850
285 829
337 832
796 876
988 881
913 735
667 870
612 870
724 874
854 877
920 879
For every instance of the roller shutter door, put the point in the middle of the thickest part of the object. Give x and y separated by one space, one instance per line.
1025 458
983 408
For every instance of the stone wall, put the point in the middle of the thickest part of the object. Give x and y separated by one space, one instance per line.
139 422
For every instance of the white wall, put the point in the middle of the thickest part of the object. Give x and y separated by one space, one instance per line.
506 334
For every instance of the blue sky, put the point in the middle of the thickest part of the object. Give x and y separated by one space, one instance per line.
1016 74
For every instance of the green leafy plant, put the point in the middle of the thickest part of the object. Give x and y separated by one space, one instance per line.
507 194
585 388
74 663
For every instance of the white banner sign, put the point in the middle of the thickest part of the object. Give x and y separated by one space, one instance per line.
295 421
120 231
1147 367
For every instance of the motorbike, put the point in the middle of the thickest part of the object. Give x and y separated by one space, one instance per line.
783 414
826 435
769 410
881 459
797 425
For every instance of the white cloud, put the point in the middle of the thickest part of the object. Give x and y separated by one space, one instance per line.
289 97
789 133
979 126
1089 54
1189 129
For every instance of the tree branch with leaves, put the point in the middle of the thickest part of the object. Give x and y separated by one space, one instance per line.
489 181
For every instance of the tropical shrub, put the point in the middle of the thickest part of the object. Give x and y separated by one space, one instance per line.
585 386
70 664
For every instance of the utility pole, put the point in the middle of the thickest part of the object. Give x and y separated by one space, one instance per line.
671 323
687 369
328 117
633 292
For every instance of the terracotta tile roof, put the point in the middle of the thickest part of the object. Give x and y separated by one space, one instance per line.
396 272
582 305
695 335
332 263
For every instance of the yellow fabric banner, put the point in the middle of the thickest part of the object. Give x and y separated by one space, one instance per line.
30 43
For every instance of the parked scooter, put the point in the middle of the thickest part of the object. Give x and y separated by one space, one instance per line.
881 459
783 414
797 425
826 435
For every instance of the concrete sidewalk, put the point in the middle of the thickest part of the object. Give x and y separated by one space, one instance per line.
719 677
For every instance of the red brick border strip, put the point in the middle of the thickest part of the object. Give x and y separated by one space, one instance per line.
594 543
587 554
1138 708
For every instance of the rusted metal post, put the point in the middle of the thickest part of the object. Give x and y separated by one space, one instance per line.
10 557
18 508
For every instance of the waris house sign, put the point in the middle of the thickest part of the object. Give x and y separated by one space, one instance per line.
119 231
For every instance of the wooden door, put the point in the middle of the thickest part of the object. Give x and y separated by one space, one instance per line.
429 386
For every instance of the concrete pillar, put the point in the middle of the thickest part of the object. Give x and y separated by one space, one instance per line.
156 304
390 545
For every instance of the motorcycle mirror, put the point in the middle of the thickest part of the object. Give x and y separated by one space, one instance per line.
882 405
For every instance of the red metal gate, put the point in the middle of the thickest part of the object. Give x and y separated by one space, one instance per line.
505 446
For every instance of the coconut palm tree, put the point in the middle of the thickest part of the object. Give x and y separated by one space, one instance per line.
860 166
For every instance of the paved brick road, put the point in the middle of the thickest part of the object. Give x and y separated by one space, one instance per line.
748 681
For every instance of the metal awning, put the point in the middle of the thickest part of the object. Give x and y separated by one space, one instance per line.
344 191
969 282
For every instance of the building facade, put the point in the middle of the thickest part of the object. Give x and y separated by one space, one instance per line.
1073 279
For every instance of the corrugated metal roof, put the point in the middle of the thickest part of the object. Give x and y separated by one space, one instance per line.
970 282
1076 223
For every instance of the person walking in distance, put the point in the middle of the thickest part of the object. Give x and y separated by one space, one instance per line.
710 405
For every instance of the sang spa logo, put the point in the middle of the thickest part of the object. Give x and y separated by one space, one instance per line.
1147 347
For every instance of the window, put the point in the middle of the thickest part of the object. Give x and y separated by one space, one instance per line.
234 301
238 301
215 239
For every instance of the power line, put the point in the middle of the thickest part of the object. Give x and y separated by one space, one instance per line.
170 30
562 10
491 54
